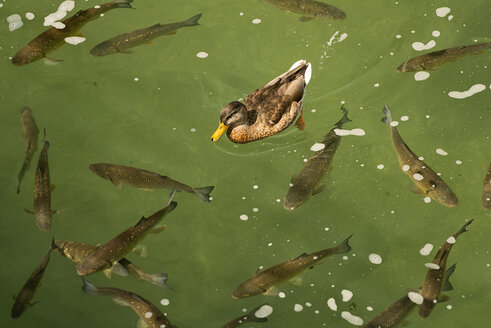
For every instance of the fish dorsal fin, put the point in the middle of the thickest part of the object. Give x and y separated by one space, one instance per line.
447 286
156 25
301 256
437 53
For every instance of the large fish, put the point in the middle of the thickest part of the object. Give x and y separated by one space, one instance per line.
78 252
432 60
486 190
392 315
115 249
121 175
148 313
258 314
123 42
435 277
265 280
30 133
54 38
309 181
427 181
309 9
24 298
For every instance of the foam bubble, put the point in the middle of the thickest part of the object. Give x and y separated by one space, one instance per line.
398 36
318 146
435 33
256 21
74 40
375 258
451 240
347 295
442 11
298 307
404 118
418 177
331 303
264 311
421 75
440 151
416 298
458 162
476 88
405 168
30 16
63 9
394 123
449 307
281 295
244 217
427 199
376 85
354 132
369 308
255 186
380 166
58 25
420 46
148 315
15 22
202 54
432 266
352 319
255 209
164 301
426 250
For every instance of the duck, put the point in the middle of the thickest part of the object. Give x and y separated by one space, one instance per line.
268 110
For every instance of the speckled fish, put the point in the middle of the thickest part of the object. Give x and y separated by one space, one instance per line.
123 42
486 190
432 60
121 175
30 133
148 313
427 181
24 298
309 181
263 281
54 38
435 277
115 249
78 252
392 315
258 314
310 9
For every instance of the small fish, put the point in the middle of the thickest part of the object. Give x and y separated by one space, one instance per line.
427 181
308 182
255 315
24 298
30 133
392 315
54 38
310 9
121 175
78 252
263 281
148 313
434 280
432 60
486 190
115 249
123 42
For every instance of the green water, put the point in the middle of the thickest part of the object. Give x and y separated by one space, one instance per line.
95 111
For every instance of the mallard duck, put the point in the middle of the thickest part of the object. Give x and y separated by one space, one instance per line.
268 110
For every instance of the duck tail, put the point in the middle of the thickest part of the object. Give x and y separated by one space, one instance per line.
388 117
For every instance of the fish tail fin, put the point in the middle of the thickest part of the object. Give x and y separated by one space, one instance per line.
204 192
159 279
447 286
122 4
89 288
388 117
193 20
344 247
463 228
343 119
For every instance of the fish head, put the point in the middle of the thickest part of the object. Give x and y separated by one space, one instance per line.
27 55
443 195
296 196
18 309
103 49
92 264
246 289
100 170
43 221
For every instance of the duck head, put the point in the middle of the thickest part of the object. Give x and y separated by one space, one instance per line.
234 113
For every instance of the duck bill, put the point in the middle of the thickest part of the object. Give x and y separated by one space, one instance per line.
218 133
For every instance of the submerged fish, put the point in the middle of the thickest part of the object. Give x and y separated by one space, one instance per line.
125 41
266 279
78 252
258 314
24 298
432 60
148 313
121 175
392 315
427 181
30 133
310 9
486 190
115 249
54 38
308 182
434 280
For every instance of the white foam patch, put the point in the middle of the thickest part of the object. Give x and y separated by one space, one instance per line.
476 88
375 258
264 311
458 162
369 308
333 38
432 266
380 166
442 11
426 250
62 11
420 46
416 298
244 217
398 36
148 315
405 168
450 17
435 33
376 85
352 319
256 21
74 40
30 16
343 37
164 301
281 295
404 118
421 75
58 25
451 240
394 123
202 54
427 199
255 209
317 147
354 132
440 151
15 22
331 303
449 307
298 307
418 177
347 295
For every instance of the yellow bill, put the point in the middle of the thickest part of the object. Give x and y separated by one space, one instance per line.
218 133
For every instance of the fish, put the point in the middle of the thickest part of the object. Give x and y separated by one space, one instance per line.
123 42
54 38
26 294
121 175
434 280
486 190
426 180
77 252
30 133
265 280
309 9
254 315
432 60
309 181
392 315
114 250
148 313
